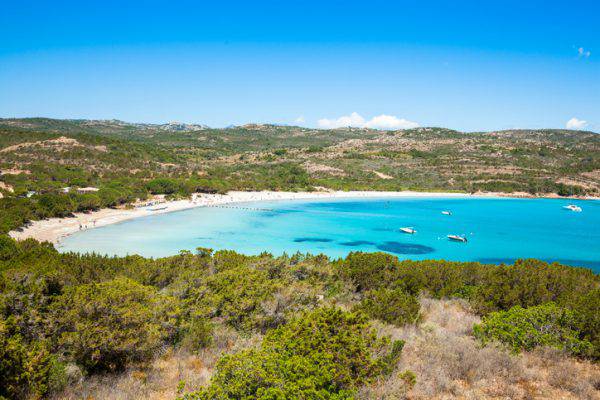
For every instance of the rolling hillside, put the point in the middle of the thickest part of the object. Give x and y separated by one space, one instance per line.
533 161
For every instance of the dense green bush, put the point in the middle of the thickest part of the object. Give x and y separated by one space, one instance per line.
235 295
182 186
197 335
394 306
27 370
324 354
56 205
163 185
532 282
369 270
8 248
526 328
104 326
587 312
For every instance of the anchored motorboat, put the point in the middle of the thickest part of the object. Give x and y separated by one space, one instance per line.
573 207
458 238
446 212
408 230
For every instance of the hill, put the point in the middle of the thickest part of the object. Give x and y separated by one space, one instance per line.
129 161
534 161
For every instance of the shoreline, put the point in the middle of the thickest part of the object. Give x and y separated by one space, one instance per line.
55 229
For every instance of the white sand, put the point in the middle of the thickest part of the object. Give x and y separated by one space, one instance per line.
54 229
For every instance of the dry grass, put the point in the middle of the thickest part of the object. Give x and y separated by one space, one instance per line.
59 143
382 175
449 364
317 169
14 171
6 186
160 379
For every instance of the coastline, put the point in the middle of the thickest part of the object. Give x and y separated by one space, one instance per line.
54 229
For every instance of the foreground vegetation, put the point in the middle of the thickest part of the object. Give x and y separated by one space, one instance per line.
297 326
132 161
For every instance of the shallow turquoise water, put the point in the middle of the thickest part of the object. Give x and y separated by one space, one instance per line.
498 229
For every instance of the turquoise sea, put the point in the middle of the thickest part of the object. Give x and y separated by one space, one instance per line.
498 229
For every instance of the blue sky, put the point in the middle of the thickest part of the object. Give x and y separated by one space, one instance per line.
468 65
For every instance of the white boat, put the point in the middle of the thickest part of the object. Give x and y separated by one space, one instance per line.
573 207
408 230
446 213
458 238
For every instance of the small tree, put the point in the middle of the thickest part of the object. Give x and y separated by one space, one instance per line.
369 270
104 326
27 370
393 306
526 328
323 354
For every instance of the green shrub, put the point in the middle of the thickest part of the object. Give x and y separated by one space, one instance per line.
526 328
587 311
393 306
324 354
13 364
27 369
163 186
409 378
369 270
227 259
89 201
235 294
56 205
197 335
531 282
104 326
8 248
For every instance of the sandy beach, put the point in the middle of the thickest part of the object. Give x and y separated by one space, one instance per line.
55 229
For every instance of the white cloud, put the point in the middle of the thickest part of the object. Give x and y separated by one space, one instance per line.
355 120
299 120
390 122
583 53
575 123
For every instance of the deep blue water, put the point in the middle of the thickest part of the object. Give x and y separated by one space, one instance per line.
498 230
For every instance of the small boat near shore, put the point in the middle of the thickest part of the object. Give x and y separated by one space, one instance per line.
573 207
447 212
408 230
158 208
458 238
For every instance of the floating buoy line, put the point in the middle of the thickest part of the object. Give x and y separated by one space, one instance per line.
240 208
